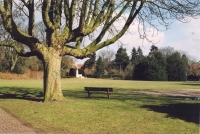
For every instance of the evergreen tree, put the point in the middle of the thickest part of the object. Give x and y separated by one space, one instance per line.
186 62
161 60
100 67
134 57
176 69
140 54
151 68
139 72
121 59
153 49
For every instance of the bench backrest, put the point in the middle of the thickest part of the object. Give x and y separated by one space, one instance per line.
99 89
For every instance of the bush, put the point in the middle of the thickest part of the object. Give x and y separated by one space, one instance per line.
115 76
193 78
2 69
19 69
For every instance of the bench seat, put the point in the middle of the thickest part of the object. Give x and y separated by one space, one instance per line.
91 90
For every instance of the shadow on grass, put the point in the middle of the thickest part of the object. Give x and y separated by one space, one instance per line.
21 93
185 111
172 106
191 84
118 96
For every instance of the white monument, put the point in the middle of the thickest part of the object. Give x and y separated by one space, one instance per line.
77 74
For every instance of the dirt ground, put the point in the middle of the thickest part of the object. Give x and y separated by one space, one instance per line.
182 93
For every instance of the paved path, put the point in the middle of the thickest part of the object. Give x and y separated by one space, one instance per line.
10 125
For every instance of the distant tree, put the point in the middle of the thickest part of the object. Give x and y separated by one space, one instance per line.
161 63
140 54
66 63
99 67
90 62
167 50
194 69
121 59
107 57
153 49
186 63
20 66
134 57
140 70
34 64
151 68
176 69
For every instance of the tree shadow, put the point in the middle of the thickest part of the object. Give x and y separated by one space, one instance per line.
189 112
171 106
119 96
21 93
191 84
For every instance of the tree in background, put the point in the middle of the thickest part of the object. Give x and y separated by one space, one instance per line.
152 67
160 60
121 59
140 54
153 49
107 57
167 50
66 63
140 70
90 62
176 69
134 57
194 68
99 67
69 22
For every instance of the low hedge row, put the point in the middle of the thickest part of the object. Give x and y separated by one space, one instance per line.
193 78
114 76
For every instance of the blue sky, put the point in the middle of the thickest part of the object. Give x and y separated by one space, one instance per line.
181 36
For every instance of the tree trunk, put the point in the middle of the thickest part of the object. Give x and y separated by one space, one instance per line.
52 78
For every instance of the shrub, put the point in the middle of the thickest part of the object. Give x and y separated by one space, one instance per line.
19 69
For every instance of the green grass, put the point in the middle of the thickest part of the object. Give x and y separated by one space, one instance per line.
124 113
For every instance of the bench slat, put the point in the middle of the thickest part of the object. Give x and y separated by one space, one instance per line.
99 89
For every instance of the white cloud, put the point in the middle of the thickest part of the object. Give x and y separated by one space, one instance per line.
185 37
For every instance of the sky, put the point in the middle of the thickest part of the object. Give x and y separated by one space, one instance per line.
181 36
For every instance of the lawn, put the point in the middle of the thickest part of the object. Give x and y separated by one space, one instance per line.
124 113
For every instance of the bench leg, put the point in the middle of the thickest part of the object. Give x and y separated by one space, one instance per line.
108 93
88 93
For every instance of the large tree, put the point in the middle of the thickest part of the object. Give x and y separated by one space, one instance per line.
68 22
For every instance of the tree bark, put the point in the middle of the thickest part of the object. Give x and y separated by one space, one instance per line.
52 77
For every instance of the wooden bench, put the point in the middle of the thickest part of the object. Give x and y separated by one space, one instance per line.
91 90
